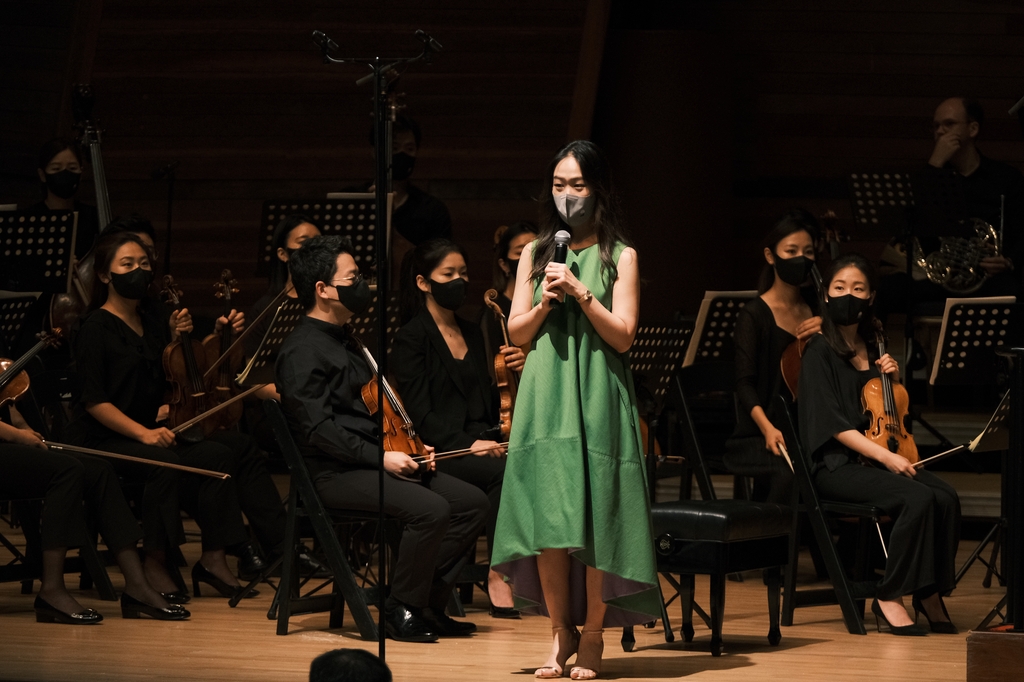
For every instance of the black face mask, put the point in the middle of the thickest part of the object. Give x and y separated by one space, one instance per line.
847 309
449 295
794 270
63 183
356 297
134 284
402 165
513 266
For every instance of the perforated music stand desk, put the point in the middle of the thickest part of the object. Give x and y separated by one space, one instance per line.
36 250
14 308
364 325
972 331
347 214
260 369
656 354
712 333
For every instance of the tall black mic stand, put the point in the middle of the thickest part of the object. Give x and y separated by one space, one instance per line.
379 68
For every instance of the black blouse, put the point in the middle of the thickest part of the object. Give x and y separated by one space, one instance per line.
759 347
115 365
830 403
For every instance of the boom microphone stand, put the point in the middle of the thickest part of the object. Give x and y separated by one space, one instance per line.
380 68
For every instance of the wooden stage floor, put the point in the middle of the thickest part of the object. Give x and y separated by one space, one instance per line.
239 644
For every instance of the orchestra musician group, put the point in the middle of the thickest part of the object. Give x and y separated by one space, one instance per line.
559 488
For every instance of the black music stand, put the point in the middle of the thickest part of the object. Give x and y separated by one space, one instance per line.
260 369
364 325
880 201
712 333
973 331
36 250
657 352
347 214
14 309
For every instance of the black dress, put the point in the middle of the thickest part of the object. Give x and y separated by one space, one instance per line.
925 509
759 347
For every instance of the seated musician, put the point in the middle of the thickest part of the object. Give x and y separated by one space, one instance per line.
849 467
783 314
320 375
441 372
118 354
28 470
509 243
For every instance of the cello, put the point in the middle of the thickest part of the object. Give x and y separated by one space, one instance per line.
184 363
888 404
217 345
507 379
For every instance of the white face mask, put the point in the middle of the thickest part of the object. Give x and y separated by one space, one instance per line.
575 210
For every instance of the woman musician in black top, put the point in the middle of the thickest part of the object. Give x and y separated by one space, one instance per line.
784 312
851 468
509 243
441 374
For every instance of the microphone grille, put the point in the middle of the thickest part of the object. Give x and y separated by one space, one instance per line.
563 237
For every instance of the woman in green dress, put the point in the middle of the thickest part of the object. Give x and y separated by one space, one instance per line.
573 532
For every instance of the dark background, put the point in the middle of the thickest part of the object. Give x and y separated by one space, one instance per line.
718 115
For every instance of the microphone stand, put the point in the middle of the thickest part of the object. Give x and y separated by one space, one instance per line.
379 68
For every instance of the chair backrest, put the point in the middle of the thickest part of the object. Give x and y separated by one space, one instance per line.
301 479
703 395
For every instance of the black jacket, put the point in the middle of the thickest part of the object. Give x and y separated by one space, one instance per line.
431 385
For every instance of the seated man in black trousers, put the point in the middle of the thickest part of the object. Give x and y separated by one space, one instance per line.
320 374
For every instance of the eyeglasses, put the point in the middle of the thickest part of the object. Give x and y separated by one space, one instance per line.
354 279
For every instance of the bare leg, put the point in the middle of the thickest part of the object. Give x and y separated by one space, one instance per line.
135 583
588 662
498 591
553 567
216 562
53 591
156 573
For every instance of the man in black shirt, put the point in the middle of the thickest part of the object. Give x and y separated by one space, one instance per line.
320 374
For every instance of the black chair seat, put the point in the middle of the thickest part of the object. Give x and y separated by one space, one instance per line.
720 520
852 509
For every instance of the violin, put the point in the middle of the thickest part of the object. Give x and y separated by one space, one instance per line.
222 382
507 379
888 403
14 381
399 433
184 363
66 309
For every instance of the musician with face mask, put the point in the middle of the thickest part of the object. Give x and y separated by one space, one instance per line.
509 243
60 172
848 467
784 312
441 373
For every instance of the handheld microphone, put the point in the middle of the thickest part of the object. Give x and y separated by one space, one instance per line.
562 239
322 41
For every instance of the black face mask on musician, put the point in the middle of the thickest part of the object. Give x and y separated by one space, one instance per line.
63 183
449 295
402 165
847 309
794 270
133 285
356 296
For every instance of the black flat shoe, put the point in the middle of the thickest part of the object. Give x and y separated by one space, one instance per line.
406 625
939 627
882 624
446 626
505 612
178 597
133 608
200 574
45 613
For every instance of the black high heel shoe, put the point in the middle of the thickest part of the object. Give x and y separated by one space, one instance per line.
45 613
176 597
882 624
133 608
200 574
940 627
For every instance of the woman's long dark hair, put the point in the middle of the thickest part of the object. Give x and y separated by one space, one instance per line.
501 247
608 215
278 267
867 326
422 260
793 221
104 252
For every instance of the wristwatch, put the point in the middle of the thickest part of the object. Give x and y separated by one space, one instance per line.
585 297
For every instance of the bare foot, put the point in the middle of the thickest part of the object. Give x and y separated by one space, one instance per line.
565 641
895 612
499 591
588 662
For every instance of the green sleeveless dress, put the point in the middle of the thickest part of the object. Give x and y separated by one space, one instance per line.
575 474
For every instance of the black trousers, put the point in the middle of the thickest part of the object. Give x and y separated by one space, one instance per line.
485 473
925 531
64 481
441 519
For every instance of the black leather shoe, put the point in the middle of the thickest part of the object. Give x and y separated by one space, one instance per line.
406 625
308 566
444 625
133 608
505 612
250 563
200 574
942 627
177 597
51 614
